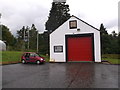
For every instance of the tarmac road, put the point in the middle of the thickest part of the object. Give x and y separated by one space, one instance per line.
60 75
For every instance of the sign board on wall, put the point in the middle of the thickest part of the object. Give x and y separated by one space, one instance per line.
58 49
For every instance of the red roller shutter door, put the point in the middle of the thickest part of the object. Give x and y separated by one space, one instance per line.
80 49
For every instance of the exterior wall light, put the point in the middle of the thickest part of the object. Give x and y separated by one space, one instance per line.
78 29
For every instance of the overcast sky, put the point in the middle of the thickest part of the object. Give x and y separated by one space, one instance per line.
18 13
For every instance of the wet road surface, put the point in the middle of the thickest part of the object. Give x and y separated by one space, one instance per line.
60 75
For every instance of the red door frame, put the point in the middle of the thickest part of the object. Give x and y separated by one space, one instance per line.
79 35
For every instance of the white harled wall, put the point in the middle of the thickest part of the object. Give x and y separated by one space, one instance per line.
58 38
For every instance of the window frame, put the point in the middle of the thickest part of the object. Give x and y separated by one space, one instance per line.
70 24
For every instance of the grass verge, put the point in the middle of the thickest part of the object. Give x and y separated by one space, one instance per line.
9 57
112 58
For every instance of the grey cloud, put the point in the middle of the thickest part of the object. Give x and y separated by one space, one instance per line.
112 23
17 13
15 18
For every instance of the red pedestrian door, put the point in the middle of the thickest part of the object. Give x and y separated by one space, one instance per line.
80 49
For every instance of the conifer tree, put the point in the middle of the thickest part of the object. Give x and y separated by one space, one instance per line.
57 16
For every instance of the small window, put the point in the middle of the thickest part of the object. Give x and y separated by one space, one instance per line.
73 24
58 48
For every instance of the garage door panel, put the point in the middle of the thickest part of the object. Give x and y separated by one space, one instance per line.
80 49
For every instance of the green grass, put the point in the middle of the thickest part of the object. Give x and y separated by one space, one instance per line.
15 56
8 56
112 58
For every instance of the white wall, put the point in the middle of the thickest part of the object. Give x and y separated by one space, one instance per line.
58 38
